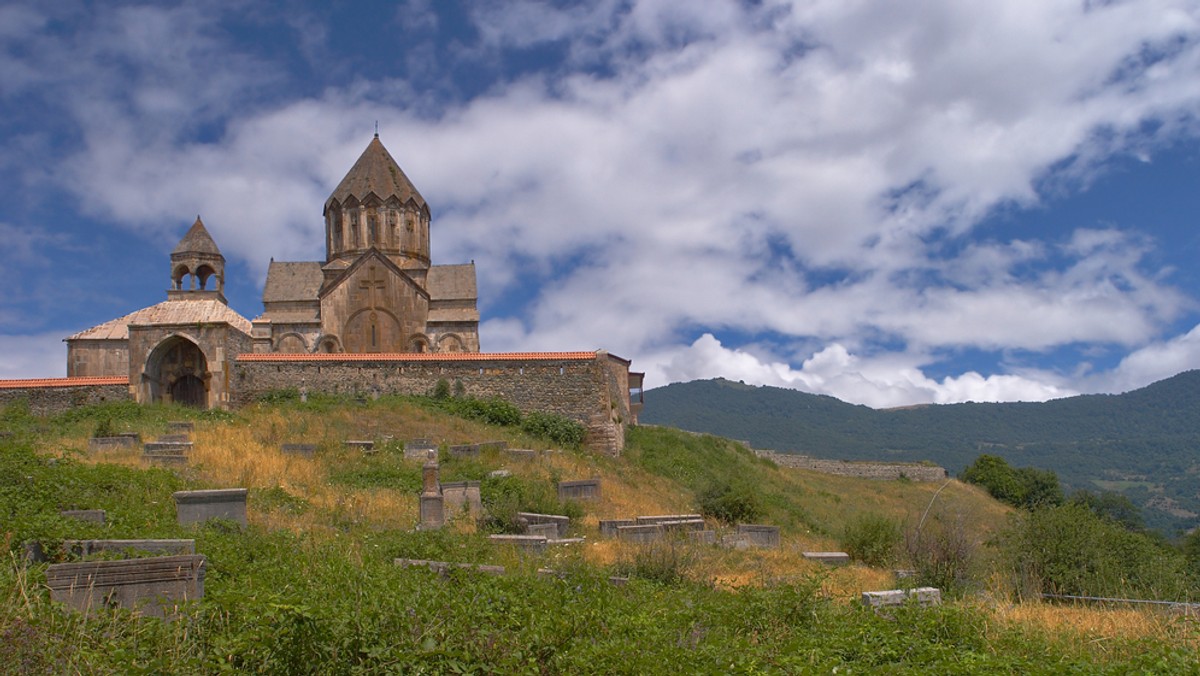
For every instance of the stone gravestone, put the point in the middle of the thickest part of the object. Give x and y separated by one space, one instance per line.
91 515
153 586
114 443
828 558
546 530
166 452
532 544
364 445
181 426
174 438
608 527
418 449
217 503
584 489
302 450
460 495
640 534
561 523
757 535
521 453
922 596
85 548
663 518
432 504
464 451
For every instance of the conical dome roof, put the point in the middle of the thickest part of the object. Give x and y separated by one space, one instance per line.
197 240
376 172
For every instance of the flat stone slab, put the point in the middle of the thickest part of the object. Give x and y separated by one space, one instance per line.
418 449
922 596
659 518
642 533
608 527
563 541
521 453
463 450
546 530
443 568
562 523
153 586
582 489
303 450
706 537
486 446
218 503
174 438
186 426
163 547
462 496
364 445
682 525
828 558
114 443
89 515
758 535
529 543
166 452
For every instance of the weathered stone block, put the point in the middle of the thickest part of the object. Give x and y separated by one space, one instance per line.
757 535
660 518
462 495
419 449
828 558
546 530
464 451
363 445
218 503
584 489
181 426
707 537
166 453
561 523
153 586
174 438
89 515
433 512
163 547
922 596
643 533
302 450
521 453
682 525
608 527
114 443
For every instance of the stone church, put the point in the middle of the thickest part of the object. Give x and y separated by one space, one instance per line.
376 292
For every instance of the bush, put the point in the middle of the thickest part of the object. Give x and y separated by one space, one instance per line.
503 497
557 428
942 552
1025 487
872 539
730 502
666 562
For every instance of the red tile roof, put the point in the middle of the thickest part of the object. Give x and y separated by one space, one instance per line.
423 356
63 382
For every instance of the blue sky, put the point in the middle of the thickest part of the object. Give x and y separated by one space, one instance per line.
891 203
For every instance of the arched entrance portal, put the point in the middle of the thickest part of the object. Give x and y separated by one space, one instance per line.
177 371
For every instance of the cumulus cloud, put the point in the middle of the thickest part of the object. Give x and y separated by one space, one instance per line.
813 170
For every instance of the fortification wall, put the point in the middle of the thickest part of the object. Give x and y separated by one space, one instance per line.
577 387
862 470
48 399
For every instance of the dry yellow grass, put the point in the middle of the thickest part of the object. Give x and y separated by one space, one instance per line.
1112 631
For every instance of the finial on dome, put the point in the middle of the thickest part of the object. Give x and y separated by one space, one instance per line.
376 128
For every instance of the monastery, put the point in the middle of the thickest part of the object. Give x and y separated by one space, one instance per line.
375 316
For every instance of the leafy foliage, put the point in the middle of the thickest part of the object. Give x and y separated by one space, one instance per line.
1025 487
730 501
557 428
872 539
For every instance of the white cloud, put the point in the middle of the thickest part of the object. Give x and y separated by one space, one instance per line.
32 356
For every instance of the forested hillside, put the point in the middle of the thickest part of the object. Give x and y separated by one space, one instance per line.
1144 444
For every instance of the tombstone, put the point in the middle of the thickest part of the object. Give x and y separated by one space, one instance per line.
166 453
464 451
85 548
443 568
546 530
828 558
302 450
114 443
922 596
153 586
757 535
418 449
618 581
563 541
679 525
364 445
704 537
521 453
499 473
584 489
432 505
532 544
661 518
217 503
174 438
460 495
640 534
608 527
562 523
90 515
181 426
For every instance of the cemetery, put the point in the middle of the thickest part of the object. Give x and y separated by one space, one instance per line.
462 540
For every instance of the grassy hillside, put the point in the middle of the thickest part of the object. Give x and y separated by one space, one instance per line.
310 587
1145 444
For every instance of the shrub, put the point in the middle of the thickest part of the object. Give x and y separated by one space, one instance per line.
557 428
504 496
1025 487
666 562
730 501
942 552
872 539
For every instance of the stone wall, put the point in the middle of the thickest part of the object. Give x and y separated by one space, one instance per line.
862 470
55 395
583 386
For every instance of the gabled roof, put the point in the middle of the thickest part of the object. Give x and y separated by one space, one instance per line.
376 172
372 255
452 282
293 281
167 312
197 240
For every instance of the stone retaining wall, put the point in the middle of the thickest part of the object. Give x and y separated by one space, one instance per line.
56 395
861 470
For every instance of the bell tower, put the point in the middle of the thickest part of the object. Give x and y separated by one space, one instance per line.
197 266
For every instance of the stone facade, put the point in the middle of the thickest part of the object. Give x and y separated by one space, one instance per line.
47 396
